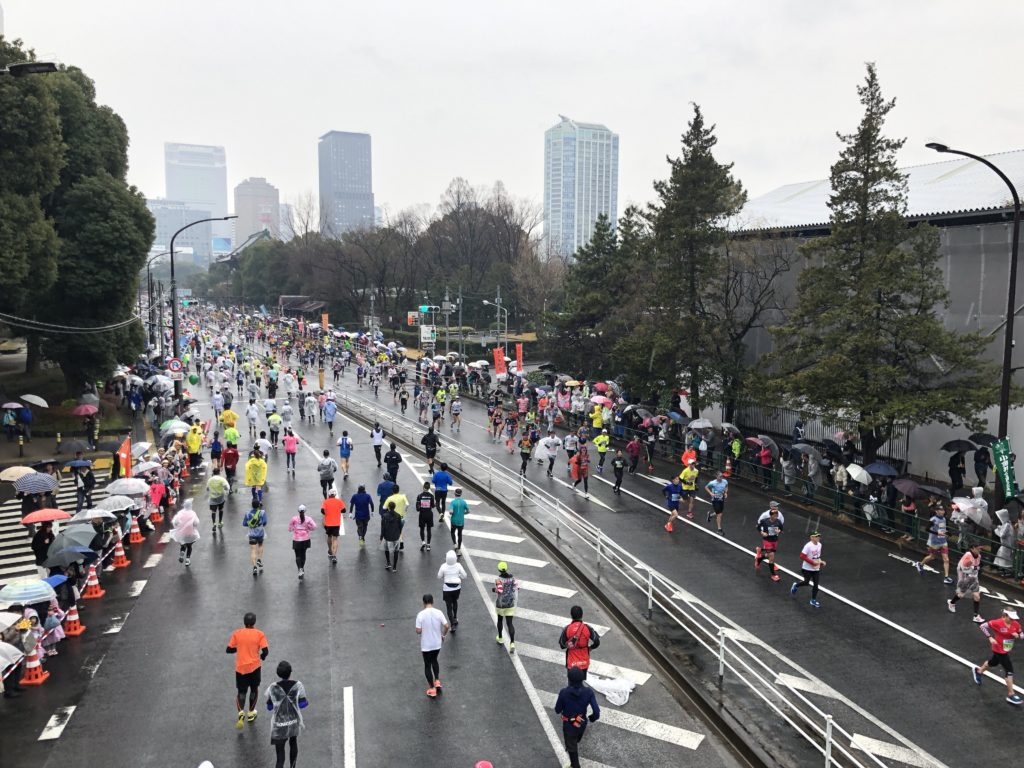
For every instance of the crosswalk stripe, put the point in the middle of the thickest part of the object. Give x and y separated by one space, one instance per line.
13 572
517 559
602 668
554 620
494 536
889 751
636 724
533 586
474 517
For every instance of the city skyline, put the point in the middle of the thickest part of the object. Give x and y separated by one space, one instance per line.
746 65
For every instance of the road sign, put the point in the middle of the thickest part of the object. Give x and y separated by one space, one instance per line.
176 375
174 365
184 292
412 318
428 334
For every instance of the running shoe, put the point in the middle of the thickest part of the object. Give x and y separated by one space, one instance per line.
757 559
976 675
437 684
511 647
499 640
815 604
362 543
181 558
792 590
1015 699
977 619
259 564
668 527
689 515
710 515
423 546
188 561
254 571
251 717
948 580
920 568
432 693
302 574
240 724
952 608
428 547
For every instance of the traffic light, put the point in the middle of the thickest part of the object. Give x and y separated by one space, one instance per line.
429 308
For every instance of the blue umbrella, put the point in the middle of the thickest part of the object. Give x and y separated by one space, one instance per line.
881 468
79 463
26 592
55 581
676 417
37 482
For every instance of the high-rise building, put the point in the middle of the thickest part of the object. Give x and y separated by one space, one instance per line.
346 182
258 207
286 215
581 181
198 175
172 215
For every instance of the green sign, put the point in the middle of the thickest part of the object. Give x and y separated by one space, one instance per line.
1004 467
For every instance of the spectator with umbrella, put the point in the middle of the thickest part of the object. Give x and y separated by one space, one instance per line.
957 469
982 464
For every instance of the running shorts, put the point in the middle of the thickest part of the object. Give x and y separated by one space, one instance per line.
1002 660
938 549
718 505
245 681
769 546
255 539
688 493
332 530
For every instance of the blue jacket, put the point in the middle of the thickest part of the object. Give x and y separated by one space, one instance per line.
383 491
442 480
362 505
572 705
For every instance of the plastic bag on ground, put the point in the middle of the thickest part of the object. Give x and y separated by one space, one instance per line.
615 689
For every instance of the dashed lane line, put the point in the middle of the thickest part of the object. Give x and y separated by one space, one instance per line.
136 588
56 724
153 560
516 559
494 536
637 724
533 586
603 668
555 620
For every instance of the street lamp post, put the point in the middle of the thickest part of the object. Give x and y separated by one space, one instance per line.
174 294
1011 294
503 345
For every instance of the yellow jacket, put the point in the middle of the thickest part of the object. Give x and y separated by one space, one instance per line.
255 471
601 443
194 439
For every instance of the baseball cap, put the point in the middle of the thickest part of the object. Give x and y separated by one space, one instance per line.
773 505
502 566
815 534
1010 613
332 492
302 507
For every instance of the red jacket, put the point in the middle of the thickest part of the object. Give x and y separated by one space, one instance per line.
578 639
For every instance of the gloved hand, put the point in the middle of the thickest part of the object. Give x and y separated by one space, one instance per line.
593 717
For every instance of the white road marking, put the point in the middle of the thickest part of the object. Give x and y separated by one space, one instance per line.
136 588
350 728
116 622
473 516
602 668
56 724
892 751
494 536
92 667
641 725
165 537
587 497
555 620
153 560
533 586
809 686
518 560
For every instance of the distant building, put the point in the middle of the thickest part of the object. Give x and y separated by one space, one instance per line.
197 174
258 207
1 19
172 215
346 182
378 216
581 181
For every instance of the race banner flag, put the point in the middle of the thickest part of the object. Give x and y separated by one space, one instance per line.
124 457
499 361
1004 467
519 357
323 321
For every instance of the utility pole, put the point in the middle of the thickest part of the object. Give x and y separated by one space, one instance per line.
160 317
504 346
372 317
446 310
462 347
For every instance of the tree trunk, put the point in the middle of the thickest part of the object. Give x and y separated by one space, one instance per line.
33 353
694 392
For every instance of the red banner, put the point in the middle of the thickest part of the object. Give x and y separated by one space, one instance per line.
499 361
323 321
519 358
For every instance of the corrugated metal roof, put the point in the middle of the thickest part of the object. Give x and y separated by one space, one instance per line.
961 185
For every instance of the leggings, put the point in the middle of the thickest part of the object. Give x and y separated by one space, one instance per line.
300 548
431 669
186 550
361 528
451 605
217 513
810 577
442 502
526 462
289 460
551 464
454 529
293 751
583 480
511 629
428 528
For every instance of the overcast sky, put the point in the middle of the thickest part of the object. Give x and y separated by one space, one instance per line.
467 88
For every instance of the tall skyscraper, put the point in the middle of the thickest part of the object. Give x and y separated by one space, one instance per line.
346 182
198 175
258 207
172 215
581 181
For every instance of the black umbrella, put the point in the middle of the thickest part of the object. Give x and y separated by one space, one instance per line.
931 490
906 486
70 446
831 446
108 445
958 446
983 438
546 367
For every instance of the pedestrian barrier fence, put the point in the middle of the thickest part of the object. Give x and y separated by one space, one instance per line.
733 646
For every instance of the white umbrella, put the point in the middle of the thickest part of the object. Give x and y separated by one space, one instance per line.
136 380
35 400
700 424
115 503
146 466
858 473
7 618
8 654
88 515
128 486
140 448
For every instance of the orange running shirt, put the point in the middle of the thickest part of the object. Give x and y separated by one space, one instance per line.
248 642
332 509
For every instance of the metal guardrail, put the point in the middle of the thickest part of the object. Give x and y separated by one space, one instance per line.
715 632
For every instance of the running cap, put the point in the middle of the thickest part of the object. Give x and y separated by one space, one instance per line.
815 534
302 507
773 505
502 566
1010 613
692 461
332 492
604 431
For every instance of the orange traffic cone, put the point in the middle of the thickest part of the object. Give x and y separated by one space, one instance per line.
72 626
155 516
120 560
93 591
34 672
135 536
184 470
728 467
